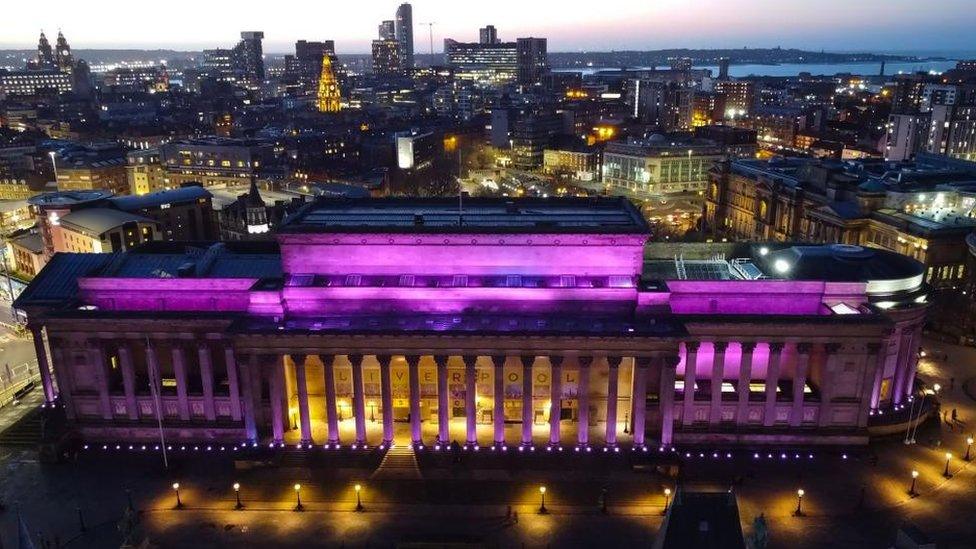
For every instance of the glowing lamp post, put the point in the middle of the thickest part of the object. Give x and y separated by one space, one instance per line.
359 501
969 449
237 494
298 498
542 494
667 500
911 491
799 503
946 473
176 489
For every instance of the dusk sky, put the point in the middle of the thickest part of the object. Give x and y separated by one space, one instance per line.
833 25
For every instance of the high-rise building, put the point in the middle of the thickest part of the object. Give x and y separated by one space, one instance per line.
488 35
249 54
387 30
404 33
387 58
723 68
329 98
308 62
533 59
483 64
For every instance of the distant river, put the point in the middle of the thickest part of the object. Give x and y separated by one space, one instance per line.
830 69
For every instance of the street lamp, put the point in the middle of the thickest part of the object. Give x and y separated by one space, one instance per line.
936 388
237 493
542 507
911 491
359 501
946 473
298 498
969 449
799 503
176 488
667 500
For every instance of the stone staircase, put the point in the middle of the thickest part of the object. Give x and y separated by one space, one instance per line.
25 432
399 463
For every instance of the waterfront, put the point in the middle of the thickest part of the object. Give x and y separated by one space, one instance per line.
793 69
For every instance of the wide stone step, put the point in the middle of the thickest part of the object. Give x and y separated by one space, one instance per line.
400 462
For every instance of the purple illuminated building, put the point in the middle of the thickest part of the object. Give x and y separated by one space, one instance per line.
522 322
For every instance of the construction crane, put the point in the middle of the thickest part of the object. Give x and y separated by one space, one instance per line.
430 28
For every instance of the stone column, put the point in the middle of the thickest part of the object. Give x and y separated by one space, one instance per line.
276 391
42 362
96 352
386 396
909 382
669 365
443 401
772 381
827 381
207 381
301 384
250 394
155 378
745 376
331 408
691 363
527 399
902 366
583 401
641 364
872 362
62 372
179 372
498 414
799 382
555 397
358 398
718 369
613 372
233 383
128 381
413 367
470 388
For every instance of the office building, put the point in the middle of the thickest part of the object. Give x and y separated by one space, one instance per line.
488 35
387 30
249 54
533 59
214 160
659 165
404 33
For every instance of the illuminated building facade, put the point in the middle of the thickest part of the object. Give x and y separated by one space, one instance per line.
923 211
213 160
329 98
659 165
527 323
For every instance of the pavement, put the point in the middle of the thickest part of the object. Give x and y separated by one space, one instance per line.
857 501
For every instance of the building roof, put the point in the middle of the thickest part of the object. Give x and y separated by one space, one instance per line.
198 260
29 241
479 215
156 199
57 283
68 198
100 220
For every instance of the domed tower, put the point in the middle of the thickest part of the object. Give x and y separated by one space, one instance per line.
329 98
62 55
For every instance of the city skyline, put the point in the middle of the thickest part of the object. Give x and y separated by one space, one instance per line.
868 26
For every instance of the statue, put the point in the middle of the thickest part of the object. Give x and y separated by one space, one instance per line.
760 532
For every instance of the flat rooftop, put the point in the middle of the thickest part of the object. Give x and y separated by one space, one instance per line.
478 215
